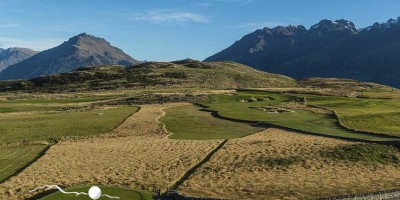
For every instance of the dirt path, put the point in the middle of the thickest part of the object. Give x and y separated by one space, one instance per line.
145 122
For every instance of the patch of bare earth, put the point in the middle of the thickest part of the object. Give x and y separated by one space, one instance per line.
278 164
142 157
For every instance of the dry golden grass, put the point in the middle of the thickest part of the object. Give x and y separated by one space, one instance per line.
143 157
240 170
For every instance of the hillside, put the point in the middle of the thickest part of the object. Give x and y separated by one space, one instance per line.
179 74
12 56
79 51
328 49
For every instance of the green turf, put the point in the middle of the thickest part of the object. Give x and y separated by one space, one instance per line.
44 126
370 115
12 159
123 194
78 99
19 107
303 120
28 105
188 122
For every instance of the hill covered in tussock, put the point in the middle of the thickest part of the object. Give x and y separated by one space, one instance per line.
179 74
342 84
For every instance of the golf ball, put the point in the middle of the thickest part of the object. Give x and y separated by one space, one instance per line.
94 192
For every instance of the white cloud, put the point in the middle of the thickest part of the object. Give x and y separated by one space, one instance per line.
169 16
38 45
256 25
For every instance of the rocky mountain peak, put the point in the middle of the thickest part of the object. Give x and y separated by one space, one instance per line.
85 38
328 49
338 25
289 30
393 21
383 26
82 50
14 55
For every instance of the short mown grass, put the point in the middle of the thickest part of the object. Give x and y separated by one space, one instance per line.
188 122
123 194
29 105
380 116
46 126
236 107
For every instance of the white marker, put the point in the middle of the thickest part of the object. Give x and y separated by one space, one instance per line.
94 192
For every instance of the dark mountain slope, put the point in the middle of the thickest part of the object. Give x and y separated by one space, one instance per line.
327 49
79 51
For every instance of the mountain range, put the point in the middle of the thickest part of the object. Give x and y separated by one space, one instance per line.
327 49
82 50
14 55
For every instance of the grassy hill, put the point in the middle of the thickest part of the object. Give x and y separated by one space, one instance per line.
345 87
180 74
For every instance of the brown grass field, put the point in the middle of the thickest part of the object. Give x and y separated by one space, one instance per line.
277 164
130 161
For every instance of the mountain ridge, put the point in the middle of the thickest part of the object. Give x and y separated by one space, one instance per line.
79 51
327 49
13 55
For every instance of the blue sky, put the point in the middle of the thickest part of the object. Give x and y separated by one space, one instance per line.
165 30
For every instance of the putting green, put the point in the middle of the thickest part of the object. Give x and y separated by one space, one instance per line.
123 194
